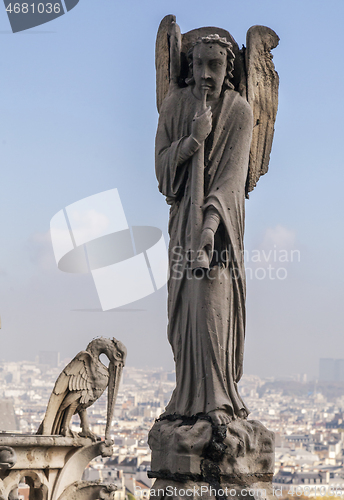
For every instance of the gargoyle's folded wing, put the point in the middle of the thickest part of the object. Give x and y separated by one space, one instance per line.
262 95
74 382
78 376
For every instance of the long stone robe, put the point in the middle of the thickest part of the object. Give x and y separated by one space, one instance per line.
206 315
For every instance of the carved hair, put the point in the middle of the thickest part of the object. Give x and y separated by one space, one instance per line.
230 58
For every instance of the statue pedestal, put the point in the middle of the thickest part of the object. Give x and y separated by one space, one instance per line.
211 461
51 465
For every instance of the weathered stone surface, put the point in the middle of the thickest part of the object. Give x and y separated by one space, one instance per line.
8 457
80 384
185 445
202 451
39 452
50 465
84 490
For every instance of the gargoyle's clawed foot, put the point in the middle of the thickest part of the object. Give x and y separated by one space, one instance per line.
220 417
69 433
89 434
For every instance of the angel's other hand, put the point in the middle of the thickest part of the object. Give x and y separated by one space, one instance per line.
207 241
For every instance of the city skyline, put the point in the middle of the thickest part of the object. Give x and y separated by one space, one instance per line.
79 118
308 425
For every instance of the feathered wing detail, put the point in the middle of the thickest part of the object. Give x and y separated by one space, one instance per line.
262 95
162 58
74 383
80 376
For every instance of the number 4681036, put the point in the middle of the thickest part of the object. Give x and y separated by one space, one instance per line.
41 8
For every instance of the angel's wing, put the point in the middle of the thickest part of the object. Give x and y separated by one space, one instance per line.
262 95
74 382
162 58
171 62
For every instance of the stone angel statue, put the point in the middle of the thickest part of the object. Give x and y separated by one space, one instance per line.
217 108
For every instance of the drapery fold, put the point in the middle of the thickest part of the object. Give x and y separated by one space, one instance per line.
206 314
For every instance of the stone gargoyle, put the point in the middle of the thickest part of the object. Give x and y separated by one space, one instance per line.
80 384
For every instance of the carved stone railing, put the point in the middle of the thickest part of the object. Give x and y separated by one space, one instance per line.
52 466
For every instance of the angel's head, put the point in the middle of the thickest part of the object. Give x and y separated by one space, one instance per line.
211 62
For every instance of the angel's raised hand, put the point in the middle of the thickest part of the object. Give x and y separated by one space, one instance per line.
202 125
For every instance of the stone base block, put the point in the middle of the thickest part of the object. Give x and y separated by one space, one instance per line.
240 453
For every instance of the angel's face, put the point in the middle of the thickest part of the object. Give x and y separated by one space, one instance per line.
209 69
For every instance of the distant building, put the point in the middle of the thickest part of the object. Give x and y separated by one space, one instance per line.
8 418
331 370
298 478
50 358
339 369
299 438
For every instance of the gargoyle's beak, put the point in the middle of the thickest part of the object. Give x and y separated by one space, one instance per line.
115 373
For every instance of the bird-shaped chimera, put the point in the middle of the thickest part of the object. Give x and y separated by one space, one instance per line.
80 384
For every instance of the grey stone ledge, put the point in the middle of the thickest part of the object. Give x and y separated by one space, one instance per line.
21 440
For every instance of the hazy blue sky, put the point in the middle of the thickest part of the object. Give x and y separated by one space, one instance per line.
78 117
